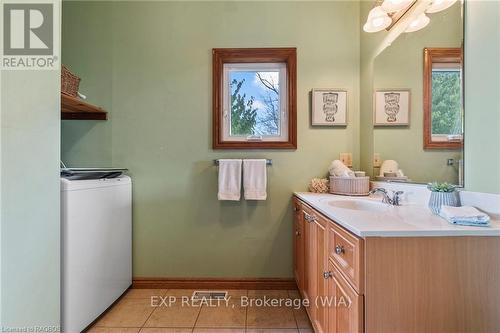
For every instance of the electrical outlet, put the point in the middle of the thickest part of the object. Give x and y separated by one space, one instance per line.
377 162
346 158
343 158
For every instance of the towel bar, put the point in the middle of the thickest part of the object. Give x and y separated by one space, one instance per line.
268 162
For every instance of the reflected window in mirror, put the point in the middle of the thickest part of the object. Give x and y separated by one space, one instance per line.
443 98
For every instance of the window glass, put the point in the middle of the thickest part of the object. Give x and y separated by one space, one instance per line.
255 103
447 101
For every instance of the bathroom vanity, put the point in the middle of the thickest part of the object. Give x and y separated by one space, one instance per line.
393 269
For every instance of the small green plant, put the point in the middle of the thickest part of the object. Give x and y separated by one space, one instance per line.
441 187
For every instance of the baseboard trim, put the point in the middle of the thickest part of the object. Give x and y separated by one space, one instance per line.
214 283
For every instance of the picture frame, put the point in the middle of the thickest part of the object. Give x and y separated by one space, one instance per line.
329 107
391 107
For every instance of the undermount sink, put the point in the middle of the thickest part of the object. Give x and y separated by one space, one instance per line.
359 205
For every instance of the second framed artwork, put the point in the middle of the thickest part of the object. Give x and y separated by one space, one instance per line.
329 107
391 107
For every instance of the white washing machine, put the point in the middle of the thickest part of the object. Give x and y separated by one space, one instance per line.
96 218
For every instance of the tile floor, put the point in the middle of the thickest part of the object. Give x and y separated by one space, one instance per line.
135 313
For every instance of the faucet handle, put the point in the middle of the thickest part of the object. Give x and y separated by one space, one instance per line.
378 189
397 197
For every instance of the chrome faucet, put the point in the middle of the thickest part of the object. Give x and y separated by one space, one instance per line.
396 196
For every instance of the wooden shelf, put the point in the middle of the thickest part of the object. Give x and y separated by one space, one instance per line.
73 108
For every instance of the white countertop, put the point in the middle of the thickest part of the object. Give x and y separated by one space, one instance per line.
407 220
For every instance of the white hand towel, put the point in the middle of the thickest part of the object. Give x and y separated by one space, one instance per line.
229 180
465 215
255 179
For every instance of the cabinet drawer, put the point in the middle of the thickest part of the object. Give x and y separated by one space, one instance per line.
346 251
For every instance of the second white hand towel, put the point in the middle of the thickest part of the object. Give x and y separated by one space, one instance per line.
229 180
255 179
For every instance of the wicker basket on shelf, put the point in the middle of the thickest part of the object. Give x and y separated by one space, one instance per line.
69 82
357 186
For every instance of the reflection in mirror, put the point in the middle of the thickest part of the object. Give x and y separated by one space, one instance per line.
405 152
443 98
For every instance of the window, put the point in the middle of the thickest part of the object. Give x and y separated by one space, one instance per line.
254 98
443 98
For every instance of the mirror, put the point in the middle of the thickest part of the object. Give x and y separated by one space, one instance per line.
418 103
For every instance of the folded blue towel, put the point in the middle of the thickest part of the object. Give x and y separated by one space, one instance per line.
465 215
473 224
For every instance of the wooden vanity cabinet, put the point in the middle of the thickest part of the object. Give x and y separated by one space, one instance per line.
319 279
395 284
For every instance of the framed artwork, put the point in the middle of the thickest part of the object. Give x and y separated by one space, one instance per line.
329 107
391 107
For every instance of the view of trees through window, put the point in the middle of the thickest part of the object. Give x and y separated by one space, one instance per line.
255 103
446 102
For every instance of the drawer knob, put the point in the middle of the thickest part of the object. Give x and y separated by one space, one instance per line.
339 249
297 233
295 209
327 275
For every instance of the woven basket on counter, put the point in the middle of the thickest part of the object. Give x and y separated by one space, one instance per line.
350 186
69 82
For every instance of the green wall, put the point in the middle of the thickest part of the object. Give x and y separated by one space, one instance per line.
401 66
29 198
155 79
482 96
86 48
369 45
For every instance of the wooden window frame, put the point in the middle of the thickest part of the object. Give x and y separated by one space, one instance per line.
437 55
221 56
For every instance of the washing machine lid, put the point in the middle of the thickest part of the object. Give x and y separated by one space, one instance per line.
74 185
91 173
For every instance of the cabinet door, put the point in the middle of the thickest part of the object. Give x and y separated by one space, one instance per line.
345 315
321 275
310 281
298 244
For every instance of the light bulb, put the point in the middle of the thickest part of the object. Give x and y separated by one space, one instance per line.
377 20
419 23
391 6
439 5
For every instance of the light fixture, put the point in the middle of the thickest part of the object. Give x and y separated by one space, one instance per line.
391 6
439 5
377 20
419 23
391 11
